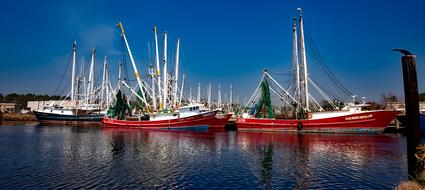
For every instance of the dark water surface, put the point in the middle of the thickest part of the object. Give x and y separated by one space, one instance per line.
61 157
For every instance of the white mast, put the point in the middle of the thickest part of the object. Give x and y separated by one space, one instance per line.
165 72
176 73
152 75
107 84
102 95
120 71
303 59
83 78
295 57
209 95
158 69
119 74
181 90
231 95
219 96
190 94
74 57
91 77
198 97
136 73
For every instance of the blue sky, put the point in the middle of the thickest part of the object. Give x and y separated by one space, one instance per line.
222 41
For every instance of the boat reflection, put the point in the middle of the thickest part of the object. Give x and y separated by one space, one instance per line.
234 160
310 157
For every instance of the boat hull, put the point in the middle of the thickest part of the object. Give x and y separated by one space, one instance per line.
52 118
201 121
365 122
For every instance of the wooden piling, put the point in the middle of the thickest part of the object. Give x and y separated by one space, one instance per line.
412 110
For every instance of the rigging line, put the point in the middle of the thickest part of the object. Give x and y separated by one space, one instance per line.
135 93
257 89
123 58
328 73
324 65
314 100
286 92
327 90
281 97
65 87
334 83
322 93
64 73
182 61
319 58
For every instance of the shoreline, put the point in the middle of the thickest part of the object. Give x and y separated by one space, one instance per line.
17 117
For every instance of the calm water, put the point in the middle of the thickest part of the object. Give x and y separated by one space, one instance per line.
60 157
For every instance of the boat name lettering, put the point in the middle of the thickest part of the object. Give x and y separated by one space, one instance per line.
358 117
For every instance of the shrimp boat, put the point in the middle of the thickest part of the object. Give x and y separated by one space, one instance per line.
161 108
186 117
81 108
348 118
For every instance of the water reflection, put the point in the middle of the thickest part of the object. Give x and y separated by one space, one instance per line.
266 166
116 158
304 161
118 145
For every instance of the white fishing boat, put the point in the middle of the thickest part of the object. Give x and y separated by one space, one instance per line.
83 104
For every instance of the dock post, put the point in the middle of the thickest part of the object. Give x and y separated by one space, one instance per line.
412 111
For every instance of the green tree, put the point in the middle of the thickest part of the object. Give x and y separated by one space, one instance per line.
374 106
390 97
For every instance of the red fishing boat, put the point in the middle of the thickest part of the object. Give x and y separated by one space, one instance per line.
333 122
168 113
187 117
306 114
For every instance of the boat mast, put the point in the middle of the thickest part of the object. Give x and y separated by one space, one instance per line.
158 69
198 96
209 95
74 57
136 74
219 97
119 74
181 89
190 94
107 84
91 77
102 95
295 57
304 60
83 78
152 75
164 60
176 73
231 95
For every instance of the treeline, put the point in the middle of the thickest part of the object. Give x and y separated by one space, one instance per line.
390 97
22 99
422 97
